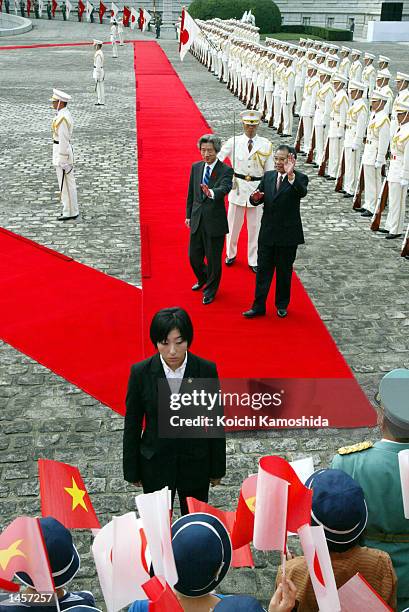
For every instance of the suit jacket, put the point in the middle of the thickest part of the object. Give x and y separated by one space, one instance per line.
182 463
281 223
212 211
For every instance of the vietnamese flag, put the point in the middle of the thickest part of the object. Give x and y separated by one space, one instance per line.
22 549
102 11
160 595
81 8
64 496
5 585
141 19
242 557
28 7
54 6
126 16
243 528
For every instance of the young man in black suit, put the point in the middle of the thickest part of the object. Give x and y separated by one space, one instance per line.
210 181
281 231
185 465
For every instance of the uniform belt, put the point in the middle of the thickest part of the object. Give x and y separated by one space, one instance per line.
56 141
247 177
387 537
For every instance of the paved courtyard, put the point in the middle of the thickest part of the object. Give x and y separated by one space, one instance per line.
356 279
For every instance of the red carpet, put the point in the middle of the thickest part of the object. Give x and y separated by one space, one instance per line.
168 127
76 321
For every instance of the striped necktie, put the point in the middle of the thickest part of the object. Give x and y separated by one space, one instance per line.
206 176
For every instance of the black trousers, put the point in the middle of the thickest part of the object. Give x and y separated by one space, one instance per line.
200 494
203 246
272 258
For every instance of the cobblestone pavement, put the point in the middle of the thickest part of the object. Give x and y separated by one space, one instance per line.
356 280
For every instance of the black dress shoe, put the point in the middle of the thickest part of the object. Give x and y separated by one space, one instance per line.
250 314
348 195
229 261
393 236
331 178
198 286
359 210
315 165
366 213
281 312
66 218
208 299
253 268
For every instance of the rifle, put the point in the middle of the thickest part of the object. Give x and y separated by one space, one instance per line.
323 166
380 206
310 156
341 172
405 244
299 135
356 203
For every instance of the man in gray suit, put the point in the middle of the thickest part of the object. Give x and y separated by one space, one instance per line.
210 181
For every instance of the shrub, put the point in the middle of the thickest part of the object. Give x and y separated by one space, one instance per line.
266 13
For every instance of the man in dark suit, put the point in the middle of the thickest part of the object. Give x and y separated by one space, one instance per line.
186 465
210 181
281 230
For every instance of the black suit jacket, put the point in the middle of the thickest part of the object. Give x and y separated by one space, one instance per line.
211 211
182 463
281 221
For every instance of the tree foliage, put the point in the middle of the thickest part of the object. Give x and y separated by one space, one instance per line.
267 14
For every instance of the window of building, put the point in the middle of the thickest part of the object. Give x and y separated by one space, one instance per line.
330 22
306 20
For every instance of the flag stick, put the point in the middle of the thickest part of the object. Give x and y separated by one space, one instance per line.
57 603
283 560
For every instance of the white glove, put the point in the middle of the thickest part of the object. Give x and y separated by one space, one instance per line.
66 167
354 147
340 133
404 183
378 164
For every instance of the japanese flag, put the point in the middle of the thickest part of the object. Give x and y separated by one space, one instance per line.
188 32
68 7
146 19
134 18
114 10
317 557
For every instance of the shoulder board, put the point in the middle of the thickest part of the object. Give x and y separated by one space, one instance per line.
355 448
59 120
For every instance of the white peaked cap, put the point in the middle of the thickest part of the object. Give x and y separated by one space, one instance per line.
60 95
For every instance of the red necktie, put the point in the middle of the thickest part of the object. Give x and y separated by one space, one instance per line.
279 182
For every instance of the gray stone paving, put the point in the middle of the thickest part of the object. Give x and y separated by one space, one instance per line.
356 280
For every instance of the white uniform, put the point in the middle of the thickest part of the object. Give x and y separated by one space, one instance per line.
398 173
121 32
369 79
376 147
307 110
322 115
277 94
99 76
300 74
355 71
114 38
403 96
287 99
63 160
336 133
254 163
387 91
344 67
357 118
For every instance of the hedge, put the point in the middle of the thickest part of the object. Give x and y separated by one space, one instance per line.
266 13
325 33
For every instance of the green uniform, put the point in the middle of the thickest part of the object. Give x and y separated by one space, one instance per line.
376 469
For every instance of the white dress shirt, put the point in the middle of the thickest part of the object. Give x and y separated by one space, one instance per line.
174 377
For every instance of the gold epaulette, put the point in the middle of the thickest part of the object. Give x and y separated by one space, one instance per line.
355 448
384 120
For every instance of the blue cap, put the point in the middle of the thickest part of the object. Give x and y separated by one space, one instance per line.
202 550
63 556
239 603
84 609
394 397
338 504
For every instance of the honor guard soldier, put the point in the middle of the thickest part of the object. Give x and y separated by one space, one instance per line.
114 38
345 63
63 158
278 85
120 30
336 133
300 76
307 111
357 119
383 62
402 85
376 147
325 96
398 174
99 73
251 156
355 72
287 95
382 83
376 468
369 74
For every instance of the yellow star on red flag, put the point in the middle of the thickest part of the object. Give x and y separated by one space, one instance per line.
77 495
6 554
